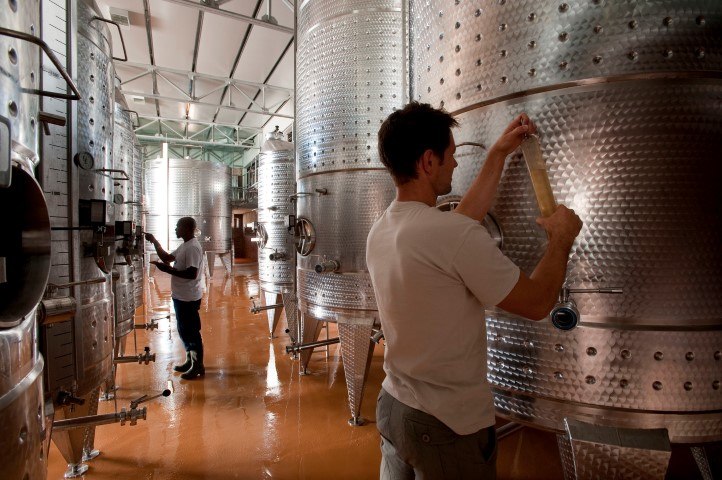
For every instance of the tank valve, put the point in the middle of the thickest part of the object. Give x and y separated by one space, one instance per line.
145 357
152 325
565 315
66 398
260 308
277 256
328 266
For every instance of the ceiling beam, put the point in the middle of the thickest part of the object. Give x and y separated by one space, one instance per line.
199 143
196 48
238 54
233 126
206 104
203 76
268 77
233 15
149 34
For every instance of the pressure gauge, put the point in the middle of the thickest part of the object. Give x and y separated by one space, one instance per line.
84 160
118 198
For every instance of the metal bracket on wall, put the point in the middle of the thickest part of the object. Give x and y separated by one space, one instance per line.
108 172
122 41
49 52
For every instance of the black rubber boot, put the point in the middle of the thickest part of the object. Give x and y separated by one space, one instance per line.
197 369
186 366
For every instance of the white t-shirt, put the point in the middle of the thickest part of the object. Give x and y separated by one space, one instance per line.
189 254
432 274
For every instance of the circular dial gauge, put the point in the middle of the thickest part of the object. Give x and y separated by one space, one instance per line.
84 160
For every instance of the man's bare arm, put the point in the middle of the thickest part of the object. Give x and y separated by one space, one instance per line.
162 254
478 200
534 296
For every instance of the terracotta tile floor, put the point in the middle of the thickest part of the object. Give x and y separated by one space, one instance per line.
252 416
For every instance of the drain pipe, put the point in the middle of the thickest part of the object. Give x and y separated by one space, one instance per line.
145 357
132 415
306 346
152 325
260 308
508 429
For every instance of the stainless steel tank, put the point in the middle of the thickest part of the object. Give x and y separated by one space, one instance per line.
626 99
95 125
276 253
80 351
138 268
24 248
184 187
123 270
349 78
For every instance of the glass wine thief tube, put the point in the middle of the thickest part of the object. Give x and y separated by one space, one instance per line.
531 148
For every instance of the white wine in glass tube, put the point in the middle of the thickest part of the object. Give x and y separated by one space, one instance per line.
538 172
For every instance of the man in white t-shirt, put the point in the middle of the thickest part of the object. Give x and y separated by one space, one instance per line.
433 274
186 290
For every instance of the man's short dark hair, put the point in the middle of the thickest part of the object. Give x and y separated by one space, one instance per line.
190 222
407 133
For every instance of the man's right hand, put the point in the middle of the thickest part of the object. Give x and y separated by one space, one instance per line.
562 226
150 237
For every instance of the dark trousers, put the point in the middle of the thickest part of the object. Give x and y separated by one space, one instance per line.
189 325
416 445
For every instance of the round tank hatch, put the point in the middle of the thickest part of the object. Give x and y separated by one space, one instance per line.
262 236
489 222
24 248
305 234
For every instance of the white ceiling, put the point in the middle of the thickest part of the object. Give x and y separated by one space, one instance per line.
263 55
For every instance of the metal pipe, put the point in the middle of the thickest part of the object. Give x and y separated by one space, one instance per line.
58 286
257 309
56 63
508 429
328 266
305 346
94 420
144 357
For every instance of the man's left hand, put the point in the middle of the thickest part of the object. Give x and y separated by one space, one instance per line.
514 134
161 266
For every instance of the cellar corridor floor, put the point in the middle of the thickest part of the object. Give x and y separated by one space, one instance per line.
252 416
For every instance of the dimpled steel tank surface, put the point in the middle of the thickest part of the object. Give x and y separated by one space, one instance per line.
349 79
123 271
625 96
178 188
80 351
276 255
24 249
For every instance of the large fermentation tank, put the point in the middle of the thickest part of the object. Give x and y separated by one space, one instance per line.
177 188
276 255
349 79
80 350
24 249
625 96
137 218
123 270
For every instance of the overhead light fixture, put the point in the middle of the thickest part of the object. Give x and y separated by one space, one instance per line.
137 99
